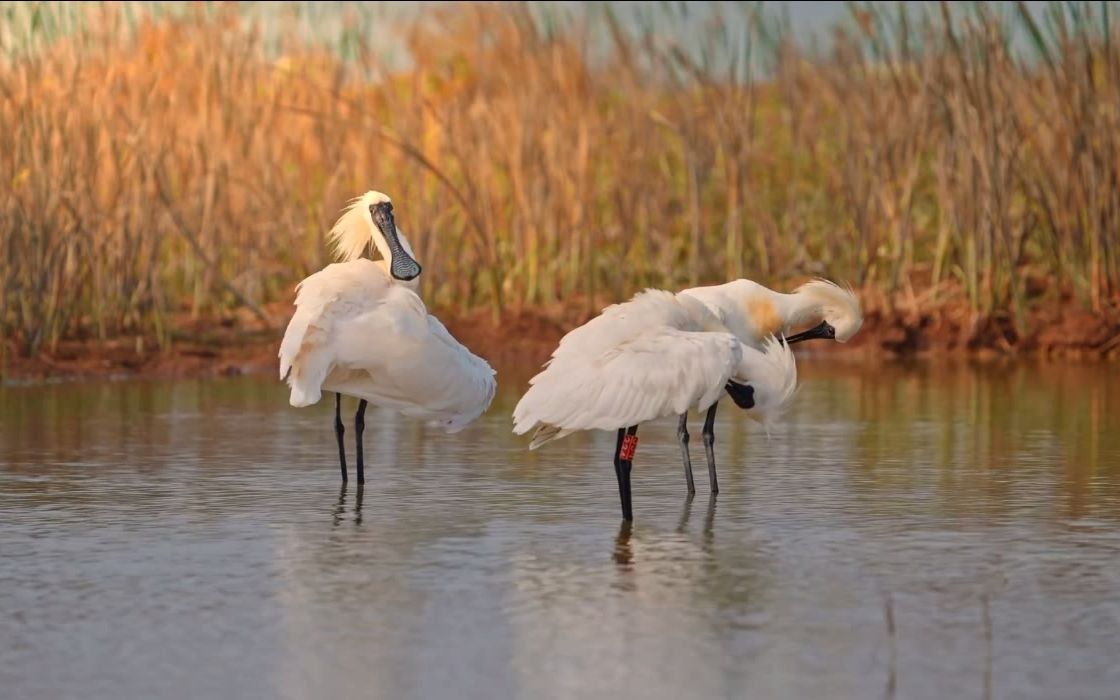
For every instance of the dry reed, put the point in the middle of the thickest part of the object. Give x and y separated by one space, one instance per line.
182 174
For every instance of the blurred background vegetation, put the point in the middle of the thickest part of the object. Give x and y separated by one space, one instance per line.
168 162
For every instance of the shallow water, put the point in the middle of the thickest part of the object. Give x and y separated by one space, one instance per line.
908 532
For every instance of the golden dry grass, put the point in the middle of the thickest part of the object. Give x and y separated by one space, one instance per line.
184 174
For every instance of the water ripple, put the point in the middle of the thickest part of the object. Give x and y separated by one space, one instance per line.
958 538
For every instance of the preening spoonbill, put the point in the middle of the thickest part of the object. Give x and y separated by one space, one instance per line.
656 355
361 330
753 313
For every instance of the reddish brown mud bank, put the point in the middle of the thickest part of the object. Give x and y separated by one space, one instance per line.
524 339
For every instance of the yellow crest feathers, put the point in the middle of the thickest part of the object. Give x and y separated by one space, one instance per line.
834 293
352 233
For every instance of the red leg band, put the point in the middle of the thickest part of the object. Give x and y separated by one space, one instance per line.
629 447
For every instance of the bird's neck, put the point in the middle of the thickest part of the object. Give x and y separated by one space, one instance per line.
799 308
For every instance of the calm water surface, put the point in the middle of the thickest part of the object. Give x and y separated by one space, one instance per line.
909 532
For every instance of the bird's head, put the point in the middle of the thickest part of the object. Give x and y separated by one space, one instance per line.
837 308
368 221
772 373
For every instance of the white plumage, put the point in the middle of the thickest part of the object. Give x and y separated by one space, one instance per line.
753 312
656 355
357 333
361 330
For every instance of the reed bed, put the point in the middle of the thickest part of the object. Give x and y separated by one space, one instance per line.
165 169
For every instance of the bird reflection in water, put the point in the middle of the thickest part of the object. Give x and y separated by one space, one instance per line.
623 553
709 520
340 507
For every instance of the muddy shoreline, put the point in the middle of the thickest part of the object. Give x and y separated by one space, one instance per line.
525 339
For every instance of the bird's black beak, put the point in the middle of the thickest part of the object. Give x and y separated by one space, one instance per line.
821 330
402 266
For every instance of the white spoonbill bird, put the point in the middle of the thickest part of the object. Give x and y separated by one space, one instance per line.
361 330
656 355
753 313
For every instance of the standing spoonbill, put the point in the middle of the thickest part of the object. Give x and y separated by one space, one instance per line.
752 313
656 355
361 330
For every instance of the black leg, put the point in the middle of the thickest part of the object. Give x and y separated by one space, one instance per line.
359 427
709 449
340 430
682 435
618 469
628 446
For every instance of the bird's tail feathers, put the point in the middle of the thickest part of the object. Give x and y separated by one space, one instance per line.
306 379
302 396
546 434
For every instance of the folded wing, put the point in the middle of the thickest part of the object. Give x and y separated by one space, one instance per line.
355 333
400 357
660 371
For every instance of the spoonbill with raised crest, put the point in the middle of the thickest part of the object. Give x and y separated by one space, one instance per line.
360 329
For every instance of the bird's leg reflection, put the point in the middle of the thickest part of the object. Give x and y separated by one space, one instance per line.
358 504
340 507
623 554
987 649
685 512
888 614
709 522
